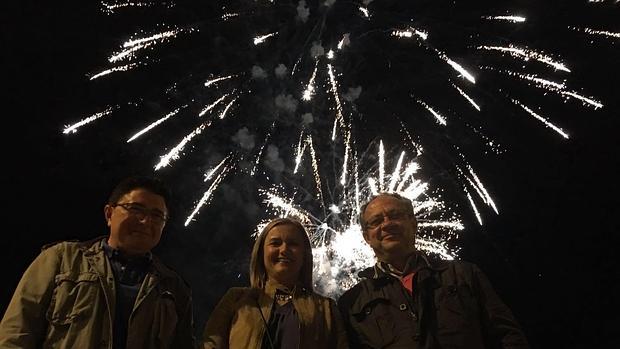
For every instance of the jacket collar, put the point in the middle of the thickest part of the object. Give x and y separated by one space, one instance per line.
272 286
415 263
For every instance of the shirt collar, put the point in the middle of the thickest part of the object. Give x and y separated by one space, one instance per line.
117 255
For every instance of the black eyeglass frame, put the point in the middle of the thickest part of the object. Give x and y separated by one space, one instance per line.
142 212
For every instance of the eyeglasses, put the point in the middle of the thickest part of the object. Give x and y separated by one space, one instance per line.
141 212
377 220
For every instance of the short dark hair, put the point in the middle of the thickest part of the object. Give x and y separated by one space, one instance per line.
152 184
406 202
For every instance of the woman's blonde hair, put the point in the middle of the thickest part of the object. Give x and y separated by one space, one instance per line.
258 273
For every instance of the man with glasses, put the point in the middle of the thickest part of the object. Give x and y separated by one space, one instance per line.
110 292
408 300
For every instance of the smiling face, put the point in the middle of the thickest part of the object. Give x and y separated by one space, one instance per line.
390 228
283 254
136 230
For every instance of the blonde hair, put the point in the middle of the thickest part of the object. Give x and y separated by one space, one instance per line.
258 273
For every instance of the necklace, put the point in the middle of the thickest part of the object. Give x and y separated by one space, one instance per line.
282 298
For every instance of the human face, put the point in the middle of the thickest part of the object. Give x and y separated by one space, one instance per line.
136 233
283 254
393 235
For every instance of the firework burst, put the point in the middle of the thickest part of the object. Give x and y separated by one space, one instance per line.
296 93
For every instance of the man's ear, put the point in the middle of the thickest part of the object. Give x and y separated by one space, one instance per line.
365 235
107 212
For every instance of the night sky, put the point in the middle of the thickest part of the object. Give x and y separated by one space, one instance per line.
550 253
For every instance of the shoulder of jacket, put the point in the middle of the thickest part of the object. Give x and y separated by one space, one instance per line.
349 297
59 244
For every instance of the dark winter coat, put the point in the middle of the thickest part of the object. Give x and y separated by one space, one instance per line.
453 306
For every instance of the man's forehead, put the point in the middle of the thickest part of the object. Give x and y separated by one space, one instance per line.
383 202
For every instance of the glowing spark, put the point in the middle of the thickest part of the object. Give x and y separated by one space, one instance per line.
343 41
409 33
514 19
527 54
469 99
228 16
331 54
300 151
394 177
154 124
309 92
115 69
260 39
110 8
279 202
364 11
423 244
409 171
215 169
555 87
452 225
133 46
473 206
334 90
225 111
459 68
334 208
216 80
174 154
315 171
73 128
206 197
542 119
212 105
381 167
260 152
589 100
486 197
347 150
440 119
157 37
590 31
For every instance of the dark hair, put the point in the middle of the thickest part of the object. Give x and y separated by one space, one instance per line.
152 184
258 274
406 202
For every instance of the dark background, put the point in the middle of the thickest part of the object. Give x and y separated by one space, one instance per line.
551 253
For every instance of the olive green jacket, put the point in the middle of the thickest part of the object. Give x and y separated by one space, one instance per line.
236 322
66 299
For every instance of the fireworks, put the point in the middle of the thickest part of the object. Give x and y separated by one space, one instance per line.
319 82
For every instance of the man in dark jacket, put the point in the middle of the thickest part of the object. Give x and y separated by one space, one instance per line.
110 292
408 301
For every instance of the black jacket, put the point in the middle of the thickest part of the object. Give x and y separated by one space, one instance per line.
453 306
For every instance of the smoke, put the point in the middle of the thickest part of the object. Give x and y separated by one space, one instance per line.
244 139
273 160
307 118
286 102
353 93
281 71
317 50
258 72
303 12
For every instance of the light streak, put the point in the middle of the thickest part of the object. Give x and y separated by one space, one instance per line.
155 124
541 119
527 54
73 128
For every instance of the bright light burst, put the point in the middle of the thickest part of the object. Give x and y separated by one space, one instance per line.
318 82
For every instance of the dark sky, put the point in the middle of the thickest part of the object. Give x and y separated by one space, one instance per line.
551 253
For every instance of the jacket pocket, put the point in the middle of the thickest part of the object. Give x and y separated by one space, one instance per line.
376 322
168 319
73 297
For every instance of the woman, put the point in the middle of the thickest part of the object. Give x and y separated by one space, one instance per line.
280 309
